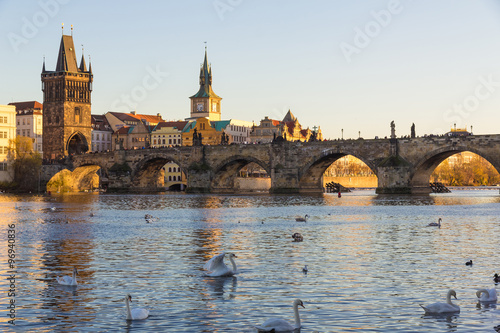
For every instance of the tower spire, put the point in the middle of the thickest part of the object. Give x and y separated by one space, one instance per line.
83 67
43 67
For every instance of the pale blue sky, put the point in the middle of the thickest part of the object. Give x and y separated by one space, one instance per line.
429 62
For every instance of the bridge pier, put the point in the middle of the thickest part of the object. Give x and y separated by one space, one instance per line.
284 180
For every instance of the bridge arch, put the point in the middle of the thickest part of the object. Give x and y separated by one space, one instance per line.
226 172
310 175
423 168
148 174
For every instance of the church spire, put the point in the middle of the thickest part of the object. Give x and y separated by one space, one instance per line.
83 66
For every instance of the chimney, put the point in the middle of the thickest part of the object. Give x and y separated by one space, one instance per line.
159 115
132 112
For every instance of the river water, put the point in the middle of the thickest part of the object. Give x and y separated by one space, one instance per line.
372 260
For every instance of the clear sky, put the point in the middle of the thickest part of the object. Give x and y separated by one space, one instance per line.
354 65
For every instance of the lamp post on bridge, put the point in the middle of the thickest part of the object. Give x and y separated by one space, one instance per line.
342 130
359 134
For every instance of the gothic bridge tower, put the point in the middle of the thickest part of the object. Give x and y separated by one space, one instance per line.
66 104
205 103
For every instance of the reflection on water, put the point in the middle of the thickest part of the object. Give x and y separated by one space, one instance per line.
371 261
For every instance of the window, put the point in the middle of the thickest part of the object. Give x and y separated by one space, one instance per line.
3 150
27 132
169 178
24 132
3 166
78 117
24 121
170 169
3 134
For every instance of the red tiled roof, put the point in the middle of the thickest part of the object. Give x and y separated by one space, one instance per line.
123 130
137 117
20 106
177 124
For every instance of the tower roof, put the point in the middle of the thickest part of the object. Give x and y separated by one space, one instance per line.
205 80
289 117
66 60
83 66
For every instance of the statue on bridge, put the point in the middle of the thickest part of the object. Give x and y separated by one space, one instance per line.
224 140
413 130
393 130
313 137
197 138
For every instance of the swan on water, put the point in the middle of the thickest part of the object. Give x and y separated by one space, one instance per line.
487 295
137 313
434 224
297 237
496 278
436 308
68 280
281 325
302 219
469 263
217 267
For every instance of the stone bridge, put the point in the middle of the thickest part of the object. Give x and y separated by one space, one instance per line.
401 165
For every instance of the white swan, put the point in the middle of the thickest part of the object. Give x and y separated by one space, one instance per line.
137 313
281 325
436 308
487 295
434 224
217 267
68 280
302 219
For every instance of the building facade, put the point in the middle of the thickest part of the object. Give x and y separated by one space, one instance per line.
101 134
7 134
167 134
66 104
29 120
205 103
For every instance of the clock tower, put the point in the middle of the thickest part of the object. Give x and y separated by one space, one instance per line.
205 103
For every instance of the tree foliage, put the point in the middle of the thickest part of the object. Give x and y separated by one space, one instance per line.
465 169
26 162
